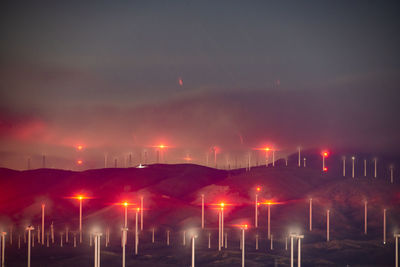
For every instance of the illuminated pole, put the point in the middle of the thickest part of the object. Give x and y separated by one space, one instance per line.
384 226
244 227
344 166
291 250
167 237
375 168
124 230
141 213
137 232
352 166
391 174
209 240
184 238
273 158
126 214
80 219
299 237
365 168
193 237
397 250
202 211
52 232
269 220
310 214
323 161
285 242
3 247
327 225
48 239
256 241
66 234
29 229
299 156
226 240
365 216
152 236
74 240
272 242
304 162
256 208
61 239
248 162
286 161
219 230
222 224
97 249
38 234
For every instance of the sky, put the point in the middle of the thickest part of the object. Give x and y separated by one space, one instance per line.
121 77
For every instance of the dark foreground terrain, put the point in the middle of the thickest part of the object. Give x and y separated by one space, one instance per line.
172 202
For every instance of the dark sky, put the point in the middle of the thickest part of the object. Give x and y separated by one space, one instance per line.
120 76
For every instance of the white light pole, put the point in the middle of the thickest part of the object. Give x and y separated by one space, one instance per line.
52 232
344 165
97 236
397 249
243 228
365 216
375 168
80 219
152 236
209 240
222 225
202 211
327 225
137 232
167 237
256 208
365 168
391 173
126 215
299 157
384 226
273 157
269 220
352 166
29 229
141 213
310 214
299 237
124 230
256 241
3 247
43 206
291 250
184 238
193 238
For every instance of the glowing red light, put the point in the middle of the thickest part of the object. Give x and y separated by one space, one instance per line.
79 147
325 169
79 162
258 189
161 146
180 81
79 197
325 154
